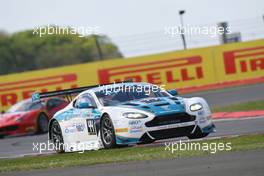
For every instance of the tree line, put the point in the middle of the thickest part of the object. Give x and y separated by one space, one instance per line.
23 51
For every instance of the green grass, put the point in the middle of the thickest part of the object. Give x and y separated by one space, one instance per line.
248 106
251 142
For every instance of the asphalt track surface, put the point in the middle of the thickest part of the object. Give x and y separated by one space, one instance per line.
231 95
246 163
19 146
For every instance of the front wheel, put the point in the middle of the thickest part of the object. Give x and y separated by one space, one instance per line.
56 137
107 132
43 123
197 134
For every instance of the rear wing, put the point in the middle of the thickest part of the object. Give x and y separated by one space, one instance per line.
68 93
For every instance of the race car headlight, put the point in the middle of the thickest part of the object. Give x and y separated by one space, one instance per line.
196 107
134 115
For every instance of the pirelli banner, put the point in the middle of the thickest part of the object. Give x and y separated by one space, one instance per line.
190 69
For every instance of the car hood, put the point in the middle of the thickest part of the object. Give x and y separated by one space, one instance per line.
157 106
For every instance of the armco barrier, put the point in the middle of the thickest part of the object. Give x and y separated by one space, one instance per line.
194 69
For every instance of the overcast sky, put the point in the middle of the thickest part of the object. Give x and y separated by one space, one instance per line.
123 17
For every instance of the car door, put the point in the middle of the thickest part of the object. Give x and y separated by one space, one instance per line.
82 127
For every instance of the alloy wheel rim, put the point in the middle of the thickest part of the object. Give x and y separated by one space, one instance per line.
56 136
107 131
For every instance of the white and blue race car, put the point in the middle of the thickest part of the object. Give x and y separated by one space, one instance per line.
125 113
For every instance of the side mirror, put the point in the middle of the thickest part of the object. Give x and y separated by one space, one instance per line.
85 105
173 92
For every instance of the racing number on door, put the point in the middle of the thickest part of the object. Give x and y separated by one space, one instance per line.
91 127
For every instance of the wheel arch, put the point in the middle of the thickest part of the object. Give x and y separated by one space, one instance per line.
103 114
106 113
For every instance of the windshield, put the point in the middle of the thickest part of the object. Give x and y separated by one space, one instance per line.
111 97
25 105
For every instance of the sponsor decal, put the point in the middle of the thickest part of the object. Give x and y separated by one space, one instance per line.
134 122
12 92
132 131
174 70
244 60
121 130
74 128
174 125
91 127
135 126
202 119
152 100
38 82
201 112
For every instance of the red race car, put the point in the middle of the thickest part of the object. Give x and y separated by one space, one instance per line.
29 117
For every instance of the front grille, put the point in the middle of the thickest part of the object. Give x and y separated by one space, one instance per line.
8 128
171 133
170 119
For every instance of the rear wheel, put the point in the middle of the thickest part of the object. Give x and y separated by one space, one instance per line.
56 137
107 132
43 123
198 134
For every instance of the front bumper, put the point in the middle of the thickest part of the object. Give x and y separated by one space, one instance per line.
9 130
209 129
16 129
159 127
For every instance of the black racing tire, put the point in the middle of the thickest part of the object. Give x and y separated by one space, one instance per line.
56 137
107 132
197 134
42 123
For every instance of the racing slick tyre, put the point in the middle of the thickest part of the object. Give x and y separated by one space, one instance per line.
56 137
42 123
197 134
107 132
